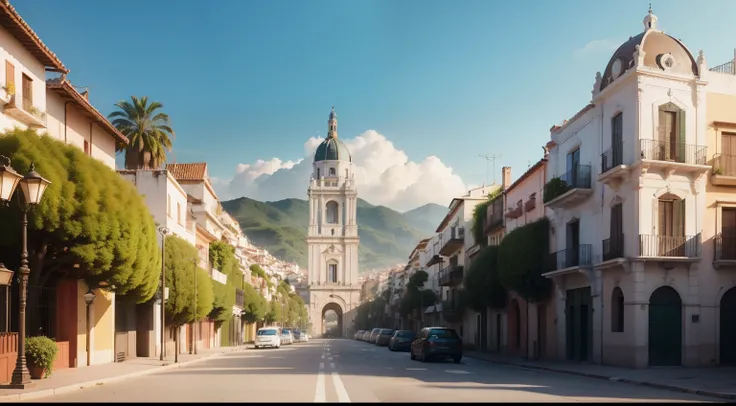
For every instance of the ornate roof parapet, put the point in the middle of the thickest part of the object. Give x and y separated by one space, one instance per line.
702 63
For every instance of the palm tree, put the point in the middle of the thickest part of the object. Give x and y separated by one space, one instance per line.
149 132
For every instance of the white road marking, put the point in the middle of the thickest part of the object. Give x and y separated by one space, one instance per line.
323 356
416 369
329 358
342 394
321 365
319 393
332 365
456 371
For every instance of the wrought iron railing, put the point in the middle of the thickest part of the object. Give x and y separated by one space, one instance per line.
451 275
657 150
724 164
725 248
612 157
613 247
728 68
580 255
669 246
578 177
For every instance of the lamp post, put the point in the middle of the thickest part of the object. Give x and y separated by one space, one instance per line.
6 277
163 230
33 186
89 298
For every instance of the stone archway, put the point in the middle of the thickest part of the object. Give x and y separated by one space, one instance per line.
329 330
728 328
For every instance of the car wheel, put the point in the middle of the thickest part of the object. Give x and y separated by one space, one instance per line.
424 357
411 355
457 359
257 347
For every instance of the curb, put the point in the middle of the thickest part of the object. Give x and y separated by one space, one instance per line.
15 397
674 388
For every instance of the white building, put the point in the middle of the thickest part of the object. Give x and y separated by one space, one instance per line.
630 212
332 237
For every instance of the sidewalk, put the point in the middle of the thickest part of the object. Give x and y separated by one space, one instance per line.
719 382
72 379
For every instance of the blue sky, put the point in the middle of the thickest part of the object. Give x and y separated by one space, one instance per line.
244 80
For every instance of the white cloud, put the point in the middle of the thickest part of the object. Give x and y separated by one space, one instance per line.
598 45
384 176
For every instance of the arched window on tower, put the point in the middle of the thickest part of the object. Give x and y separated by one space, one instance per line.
317 173
332 171
332 273
331 208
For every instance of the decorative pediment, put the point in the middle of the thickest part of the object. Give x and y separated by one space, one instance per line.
332 249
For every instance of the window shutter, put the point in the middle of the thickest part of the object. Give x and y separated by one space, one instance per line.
678 217
682 137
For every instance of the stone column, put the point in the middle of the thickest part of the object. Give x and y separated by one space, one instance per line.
638 309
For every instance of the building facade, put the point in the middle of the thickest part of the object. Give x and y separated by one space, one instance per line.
332 236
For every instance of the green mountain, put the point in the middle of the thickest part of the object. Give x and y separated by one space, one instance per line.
386 236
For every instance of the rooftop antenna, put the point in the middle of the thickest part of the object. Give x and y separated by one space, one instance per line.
489 159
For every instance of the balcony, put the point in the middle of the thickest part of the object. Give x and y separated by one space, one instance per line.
613 247
451 275
671 157
434 260
575 256
569 189
455 240
219 276
25 112
494 218
686 248
724 170
725 251
613 169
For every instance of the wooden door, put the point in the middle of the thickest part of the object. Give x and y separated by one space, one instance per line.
665 328
728 233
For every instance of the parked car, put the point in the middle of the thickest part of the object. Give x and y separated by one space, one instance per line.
384 336
358 334
268 337
366 335
401 340
374 335
298 336
287 337
437 342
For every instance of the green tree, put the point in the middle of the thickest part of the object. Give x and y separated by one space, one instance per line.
91 223
254 305
482 282
479 217
181 262
148 131
222 257
415 295
523 257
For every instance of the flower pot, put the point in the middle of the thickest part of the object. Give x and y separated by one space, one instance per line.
36 371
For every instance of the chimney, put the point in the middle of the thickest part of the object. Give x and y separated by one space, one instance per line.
505 177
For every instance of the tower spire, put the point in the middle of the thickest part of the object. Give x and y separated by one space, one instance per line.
332 124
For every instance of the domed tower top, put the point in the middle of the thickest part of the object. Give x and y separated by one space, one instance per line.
650 21
332 149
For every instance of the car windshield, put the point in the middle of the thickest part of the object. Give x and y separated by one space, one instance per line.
405 334
386 332
444 333
376 330
286 331
266 332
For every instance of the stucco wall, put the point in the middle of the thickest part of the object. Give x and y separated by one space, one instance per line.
102 337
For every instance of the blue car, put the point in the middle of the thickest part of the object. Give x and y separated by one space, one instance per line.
401 340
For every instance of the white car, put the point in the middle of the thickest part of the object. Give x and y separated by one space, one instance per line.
287 337
268 337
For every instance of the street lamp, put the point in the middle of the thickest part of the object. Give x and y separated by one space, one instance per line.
163 230
33 186
6 277
89 297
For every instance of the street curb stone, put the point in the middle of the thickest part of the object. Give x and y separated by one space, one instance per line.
15 397
674 388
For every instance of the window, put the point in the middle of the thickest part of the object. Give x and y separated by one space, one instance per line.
178 213
331 214
86 147
332 273
346 173
617 310
671 132
332 171
27 92
317 173
671 226
9 74
617 128
728 233
573 163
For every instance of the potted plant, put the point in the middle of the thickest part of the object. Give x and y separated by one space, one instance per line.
40 355
718 171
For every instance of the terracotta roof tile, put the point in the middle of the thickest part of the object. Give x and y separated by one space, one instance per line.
193 171
18 28
63 87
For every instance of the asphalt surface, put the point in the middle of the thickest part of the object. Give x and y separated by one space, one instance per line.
342 370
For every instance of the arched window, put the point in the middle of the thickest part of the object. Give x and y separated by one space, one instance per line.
346 173
617 310
332 171
332 273
331 214
317 173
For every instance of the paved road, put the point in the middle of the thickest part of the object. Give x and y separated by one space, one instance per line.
351 371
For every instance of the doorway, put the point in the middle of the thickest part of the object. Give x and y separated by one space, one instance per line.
578 325
728 328
665 328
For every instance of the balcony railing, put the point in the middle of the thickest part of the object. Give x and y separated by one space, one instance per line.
613 247
612 157
580 255
669 246
578 178
451 275
455 240
724 164
670 151
728 68
725 248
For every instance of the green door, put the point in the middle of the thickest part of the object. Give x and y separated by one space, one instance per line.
665 328
728 328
